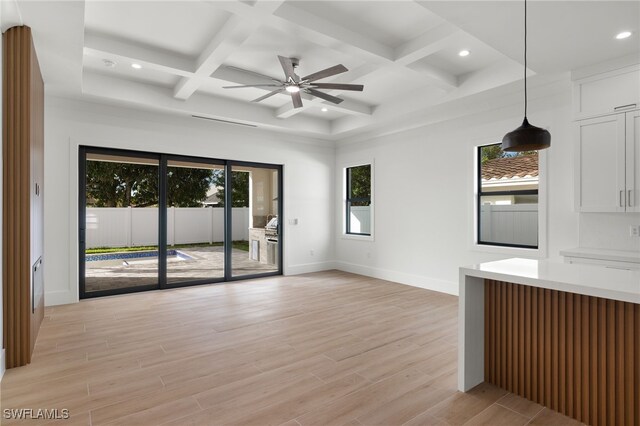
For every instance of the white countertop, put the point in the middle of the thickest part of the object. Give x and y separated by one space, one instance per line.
593 253
590 280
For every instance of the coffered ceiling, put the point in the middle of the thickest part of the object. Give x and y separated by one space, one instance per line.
404 52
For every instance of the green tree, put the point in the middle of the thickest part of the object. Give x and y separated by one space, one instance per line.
239 185
111 184
187 187
360 183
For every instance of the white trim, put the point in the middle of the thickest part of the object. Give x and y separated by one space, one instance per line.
541 251
307 268
420 281
343 179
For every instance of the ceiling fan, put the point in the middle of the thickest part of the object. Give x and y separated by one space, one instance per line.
293 84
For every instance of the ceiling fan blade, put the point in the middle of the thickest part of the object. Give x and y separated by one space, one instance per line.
287 66
326 97
252 85
338 86
253 73
297 100
268 95
336 69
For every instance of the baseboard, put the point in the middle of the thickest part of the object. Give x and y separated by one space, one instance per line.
441 286
307 268
3 365
54 298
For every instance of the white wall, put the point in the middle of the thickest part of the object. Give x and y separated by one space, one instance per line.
431 171
308 177
609 231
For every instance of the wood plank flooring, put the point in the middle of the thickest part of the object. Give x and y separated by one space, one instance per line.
317 349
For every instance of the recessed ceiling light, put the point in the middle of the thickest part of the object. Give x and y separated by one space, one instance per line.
136 66
292 89
624 34
324 109
463 53
108 63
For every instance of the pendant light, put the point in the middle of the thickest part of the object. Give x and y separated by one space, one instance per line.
526 137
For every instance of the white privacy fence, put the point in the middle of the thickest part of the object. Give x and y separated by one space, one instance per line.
130 227
360 219
510 224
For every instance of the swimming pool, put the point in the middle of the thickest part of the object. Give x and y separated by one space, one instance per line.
135 255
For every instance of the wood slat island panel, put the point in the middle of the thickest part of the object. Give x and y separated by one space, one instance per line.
576 354
23 175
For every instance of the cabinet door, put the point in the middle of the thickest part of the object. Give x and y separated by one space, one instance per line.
600 180
633 161
607 93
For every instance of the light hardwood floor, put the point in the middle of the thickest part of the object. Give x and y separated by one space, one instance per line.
318 349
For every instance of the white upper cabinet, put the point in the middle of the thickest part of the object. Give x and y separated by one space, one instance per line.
607 93
600 164
633 161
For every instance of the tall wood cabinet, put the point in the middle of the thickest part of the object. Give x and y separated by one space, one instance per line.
608 143
23 207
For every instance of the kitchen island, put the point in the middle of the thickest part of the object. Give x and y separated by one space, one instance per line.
566 336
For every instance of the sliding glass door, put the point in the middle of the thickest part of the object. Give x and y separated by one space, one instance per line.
120 197
255 188
195 221
153 221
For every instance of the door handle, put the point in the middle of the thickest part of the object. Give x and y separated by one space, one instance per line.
621 196
629 198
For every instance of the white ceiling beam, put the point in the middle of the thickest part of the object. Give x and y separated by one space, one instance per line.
268 6
156 59
219 108
350 40
232 34
325 33
426 44
440 78
354 43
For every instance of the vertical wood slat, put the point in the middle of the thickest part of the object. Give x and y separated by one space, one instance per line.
23 115
16 207
580 354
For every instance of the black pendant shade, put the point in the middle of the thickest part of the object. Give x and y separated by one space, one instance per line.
526 138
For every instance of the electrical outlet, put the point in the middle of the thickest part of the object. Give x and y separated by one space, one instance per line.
634 230
311 252
293 221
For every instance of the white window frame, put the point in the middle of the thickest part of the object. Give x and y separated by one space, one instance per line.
535 253
343 204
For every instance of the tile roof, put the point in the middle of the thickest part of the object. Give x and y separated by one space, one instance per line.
511 167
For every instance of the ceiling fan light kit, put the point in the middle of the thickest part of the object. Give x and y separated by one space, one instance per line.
293 84
526 137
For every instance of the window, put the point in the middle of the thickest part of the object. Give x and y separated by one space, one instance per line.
507 208
358 200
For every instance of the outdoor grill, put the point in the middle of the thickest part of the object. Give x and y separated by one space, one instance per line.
271 235
271 230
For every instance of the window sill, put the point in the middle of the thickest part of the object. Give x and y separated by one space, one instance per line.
510 251
357 237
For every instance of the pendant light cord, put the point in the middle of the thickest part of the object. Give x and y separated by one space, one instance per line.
525 59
